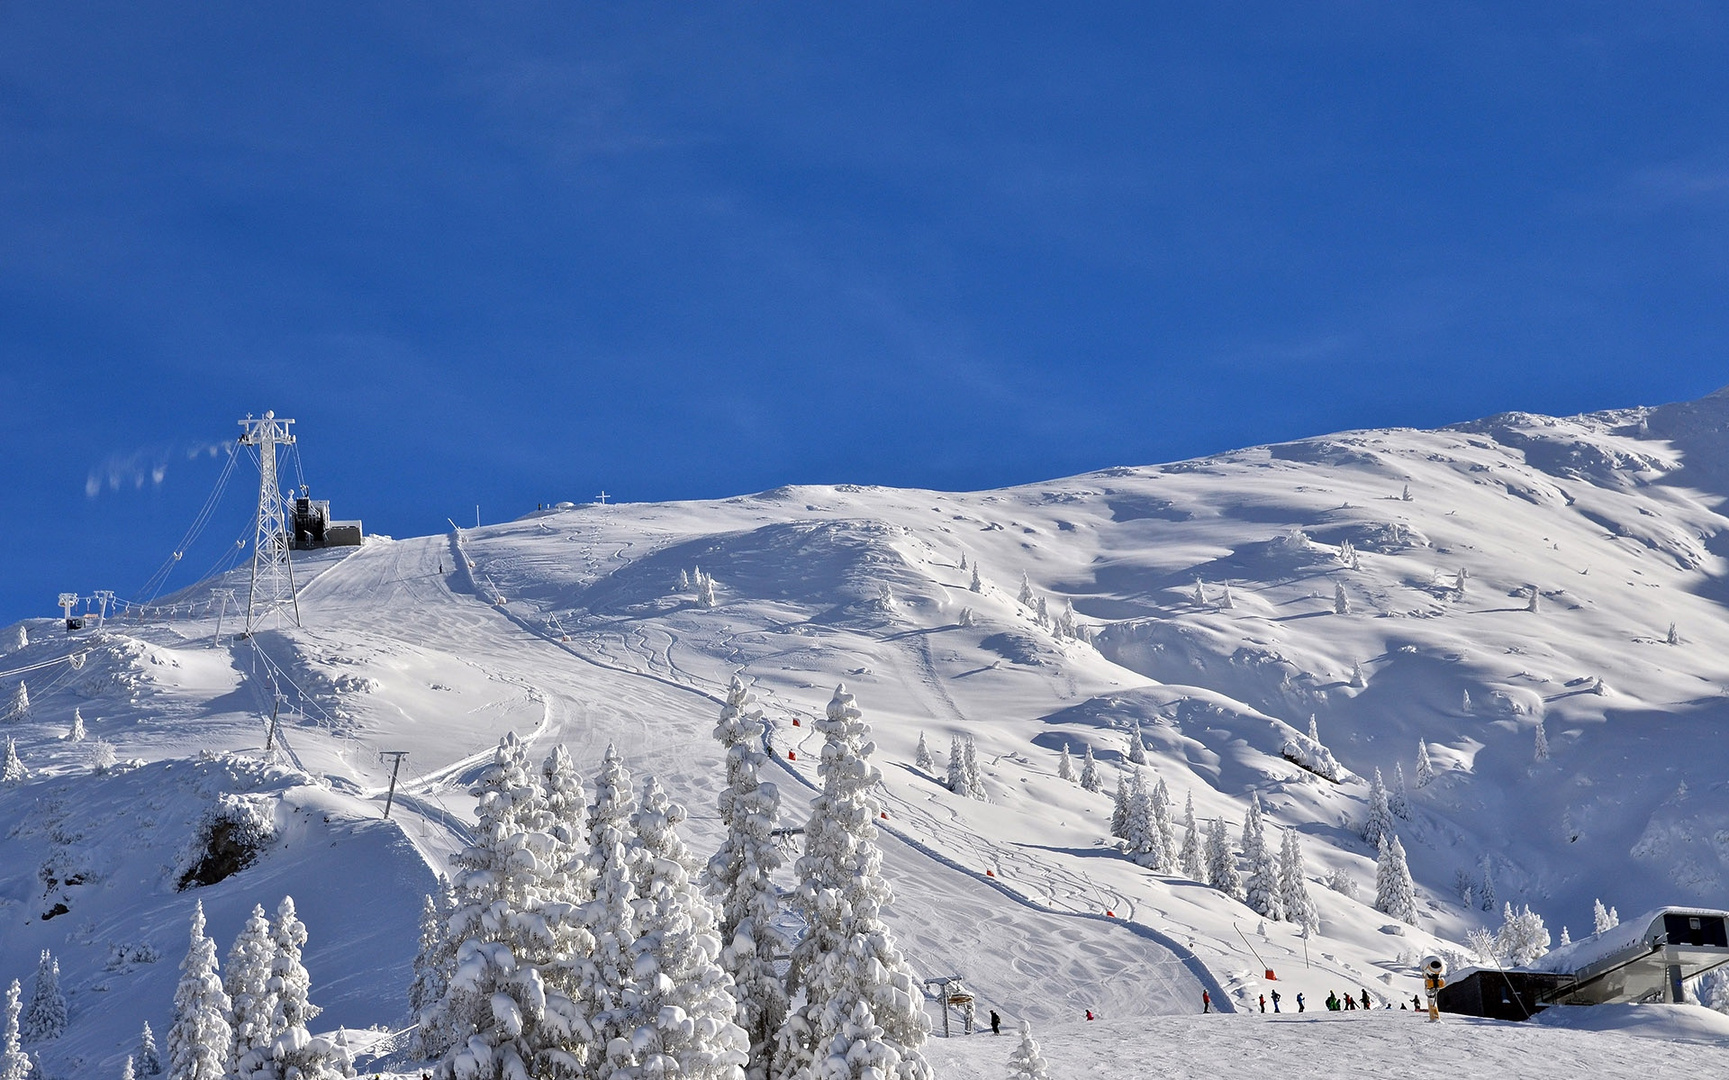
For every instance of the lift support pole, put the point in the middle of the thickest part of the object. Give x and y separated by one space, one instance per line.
390 796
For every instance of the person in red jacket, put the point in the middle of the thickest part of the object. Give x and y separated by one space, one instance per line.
1206 1001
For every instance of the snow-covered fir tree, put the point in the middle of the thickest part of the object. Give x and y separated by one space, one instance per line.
295 1054
1603 918
1534 604
1425 767
1294 886
1120 802
740 877
611 913
967 617
1486 887
1143 842
1261 888
1042 614
1566 938
77 732
149 1059
1090 772
1399 799
1162 823
975 779
14 1065
1200 594
1025 597
1358 679
434 964
1066 765
957 778
1341 602
20 709
1066 627
1673 637
1541 749
1379 821
1225 600
1395 892
976 585
246 980
1465 703
126 1071
1522 937
853 995
12 770
1025 1061
1189 860
704 590
500 1016
682 1002
922 756
1222 863
683 580
1137 749
199 1041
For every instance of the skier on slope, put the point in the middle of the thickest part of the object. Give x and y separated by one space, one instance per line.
1365 998
1206 1002
1299 1002
1263 1003
997 1023
1275 1001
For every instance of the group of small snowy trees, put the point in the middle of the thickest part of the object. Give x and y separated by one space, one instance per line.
700 583
251 1024
964 776
1061 625
43 1019
581 945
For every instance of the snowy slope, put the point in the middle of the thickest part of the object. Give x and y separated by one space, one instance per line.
570 627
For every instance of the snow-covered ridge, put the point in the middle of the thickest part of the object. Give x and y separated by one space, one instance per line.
1562 576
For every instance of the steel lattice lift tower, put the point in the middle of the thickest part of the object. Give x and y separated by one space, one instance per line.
272 571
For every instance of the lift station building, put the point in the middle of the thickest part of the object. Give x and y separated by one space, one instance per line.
1647 959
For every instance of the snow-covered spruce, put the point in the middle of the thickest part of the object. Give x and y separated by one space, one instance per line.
854 997
975 779
922 759
12 770
294 1053
1425 767
1221 863
610 914
434 963
1162 823
14 1065
1090 772
252 1006
740 877
1142 840
1294 887
1522 937
502 1017
45 1017
1025 1062
1189 861
1395 892
149 1059
1398 798
681 1003
1379 822
1120 801
1137 749
1309 753
1261 890
1603 918
199 1040
1065 763
20 708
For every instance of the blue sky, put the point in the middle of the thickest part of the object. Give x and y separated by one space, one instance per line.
508 253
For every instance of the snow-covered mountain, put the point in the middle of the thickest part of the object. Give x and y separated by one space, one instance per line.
1477 588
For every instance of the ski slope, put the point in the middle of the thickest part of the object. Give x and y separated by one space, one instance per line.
570 627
